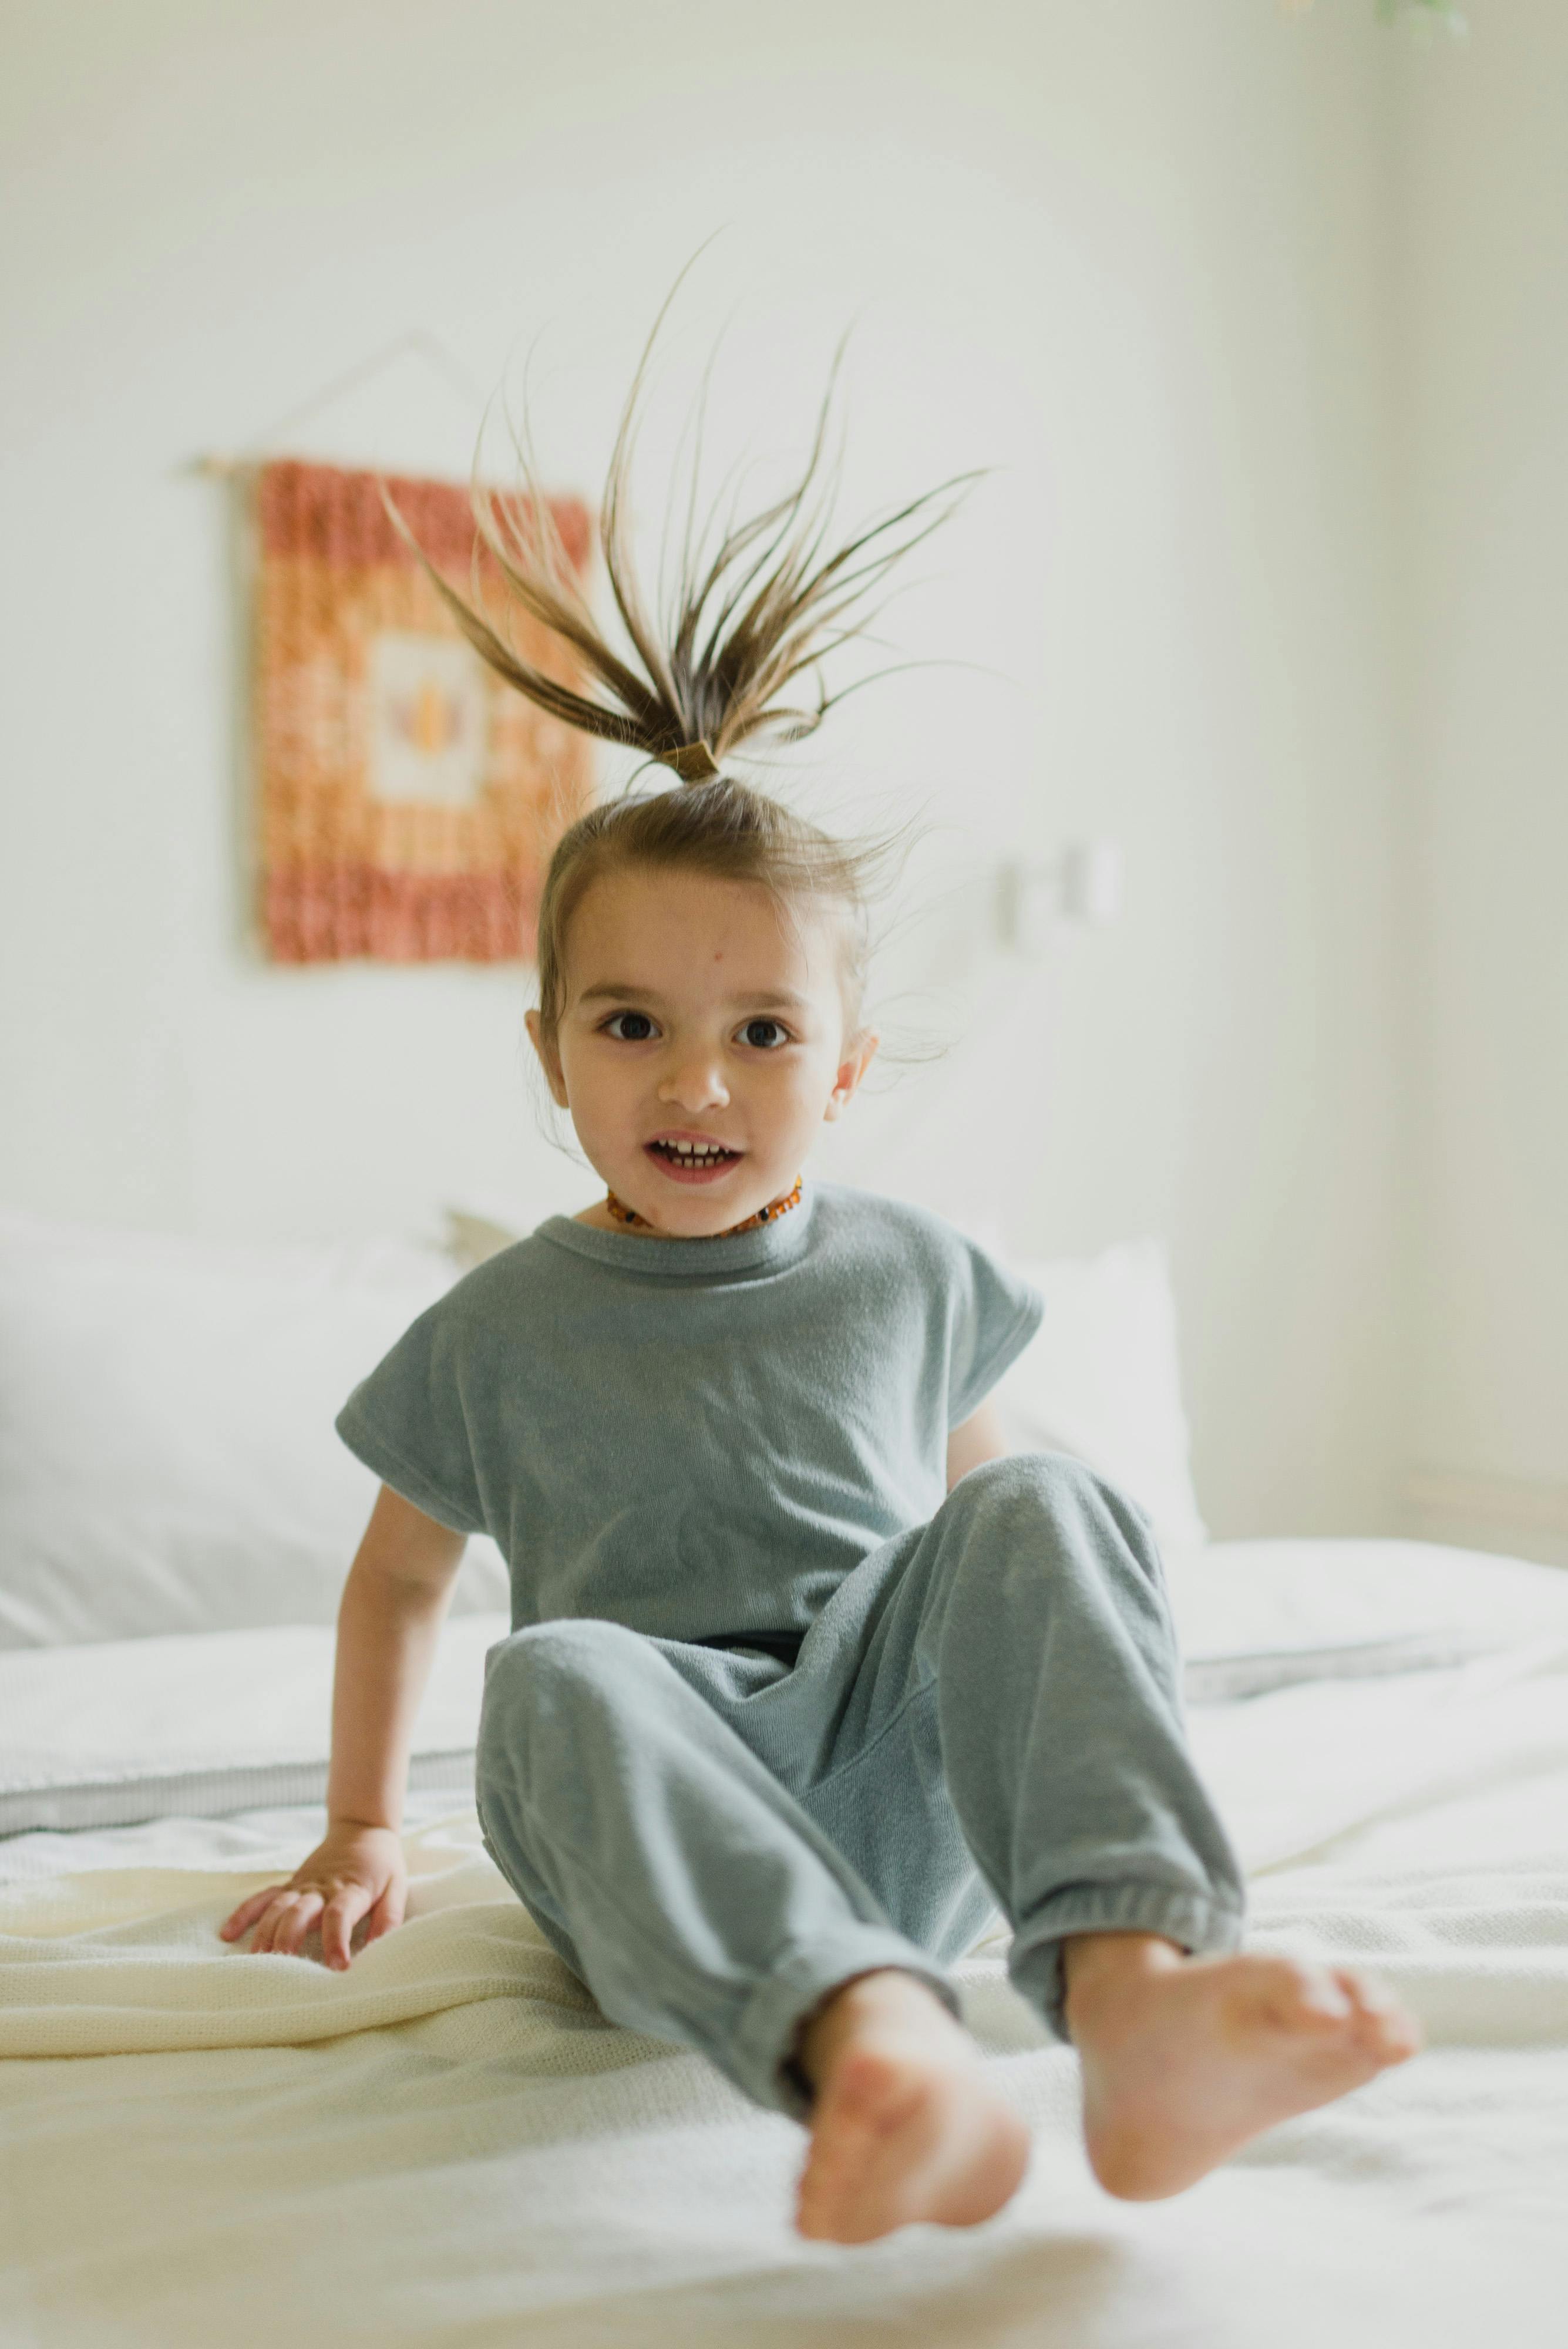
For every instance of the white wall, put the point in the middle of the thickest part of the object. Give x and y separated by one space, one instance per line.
1133 256
1484 165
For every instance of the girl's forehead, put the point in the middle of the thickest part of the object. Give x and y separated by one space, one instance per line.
664 926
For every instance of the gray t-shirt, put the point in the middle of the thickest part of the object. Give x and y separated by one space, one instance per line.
695 1437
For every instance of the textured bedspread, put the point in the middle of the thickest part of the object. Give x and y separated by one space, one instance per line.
448 2146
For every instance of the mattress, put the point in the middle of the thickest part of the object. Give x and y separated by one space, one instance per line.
448 2145
204 1723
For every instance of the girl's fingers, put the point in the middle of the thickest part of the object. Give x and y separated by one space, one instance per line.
284 1914
266 1931
260 1937
273 1932
341 1915
245 1915
306 1909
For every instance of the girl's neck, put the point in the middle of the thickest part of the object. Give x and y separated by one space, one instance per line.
612 1215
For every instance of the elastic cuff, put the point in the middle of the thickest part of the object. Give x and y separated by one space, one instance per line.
762 2048
1201 1927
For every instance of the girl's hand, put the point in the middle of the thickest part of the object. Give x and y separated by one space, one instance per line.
353 1872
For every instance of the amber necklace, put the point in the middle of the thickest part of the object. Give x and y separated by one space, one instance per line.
768 1215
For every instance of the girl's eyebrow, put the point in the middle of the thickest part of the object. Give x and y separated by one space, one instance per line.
610 989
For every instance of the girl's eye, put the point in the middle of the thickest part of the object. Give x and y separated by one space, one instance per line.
767 1033
640 1030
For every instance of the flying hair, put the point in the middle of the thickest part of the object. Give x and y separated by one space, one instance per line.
755 605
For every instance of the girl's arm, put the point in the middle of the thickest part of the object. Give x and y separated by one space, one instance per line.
979 1439
388 1624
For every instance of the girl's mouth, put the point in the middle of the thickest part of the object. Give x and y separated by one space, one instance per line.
692 1162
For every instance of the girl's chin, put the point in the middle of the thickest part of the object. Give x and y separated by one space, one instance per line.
693 1204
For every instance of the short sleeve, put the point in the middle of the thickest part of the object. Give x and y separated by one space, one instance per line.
995 1315
407 1422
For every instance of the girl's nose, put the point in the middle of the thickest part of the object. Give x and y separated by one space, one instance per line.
695 1082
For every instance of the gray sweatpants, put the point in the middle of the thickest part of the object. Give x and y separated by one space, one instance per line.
986 1712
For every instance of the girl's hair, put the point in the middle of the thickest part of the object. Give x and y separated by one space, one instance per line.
756 605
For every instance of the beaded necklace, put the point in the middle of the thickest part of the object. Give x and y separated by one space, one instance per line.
768 1215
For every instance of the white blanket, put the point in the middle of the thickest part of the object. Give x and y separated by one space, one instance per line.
447 2145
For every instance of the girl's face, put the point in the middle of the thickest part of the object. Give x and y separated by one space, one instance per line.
700 1044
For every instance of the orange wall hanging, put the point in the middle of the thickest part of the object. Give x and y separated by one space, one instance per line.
409 799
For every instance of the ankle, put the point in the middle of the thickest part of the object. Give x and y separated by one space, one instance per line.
887 1999
1100 1971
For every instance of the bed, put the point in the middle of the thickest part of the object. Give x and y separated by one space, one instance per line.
448 2145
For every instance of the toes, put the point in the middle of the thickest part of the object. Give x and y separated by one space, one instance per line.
1297 1996
1366 1995
826 2203
1384 2027
891 2146
1398 2041
1301 1995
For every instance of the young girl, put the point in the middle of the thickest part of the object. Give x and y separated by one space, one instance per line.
778 1725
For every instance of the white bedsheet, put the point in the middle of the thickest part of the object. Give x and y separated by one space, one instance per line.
448 2146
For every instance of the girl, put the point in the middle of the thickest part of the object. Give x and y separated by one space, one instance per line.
779 1724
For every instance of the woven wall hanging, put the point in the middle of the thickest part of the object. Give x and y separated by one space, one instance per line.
409 799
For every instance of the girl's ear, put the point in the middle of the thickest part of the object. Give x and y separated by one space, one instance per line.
851 1069
549 1060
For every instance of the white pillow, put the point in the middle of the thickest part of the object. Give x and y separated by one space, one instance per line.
168 1460
1101 1380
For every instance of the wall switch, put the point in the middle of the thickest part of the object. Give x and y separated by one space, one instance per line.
1083 883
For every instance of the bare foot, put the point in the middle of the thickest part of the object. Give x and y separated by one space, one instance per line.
905 2125
1186 2058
